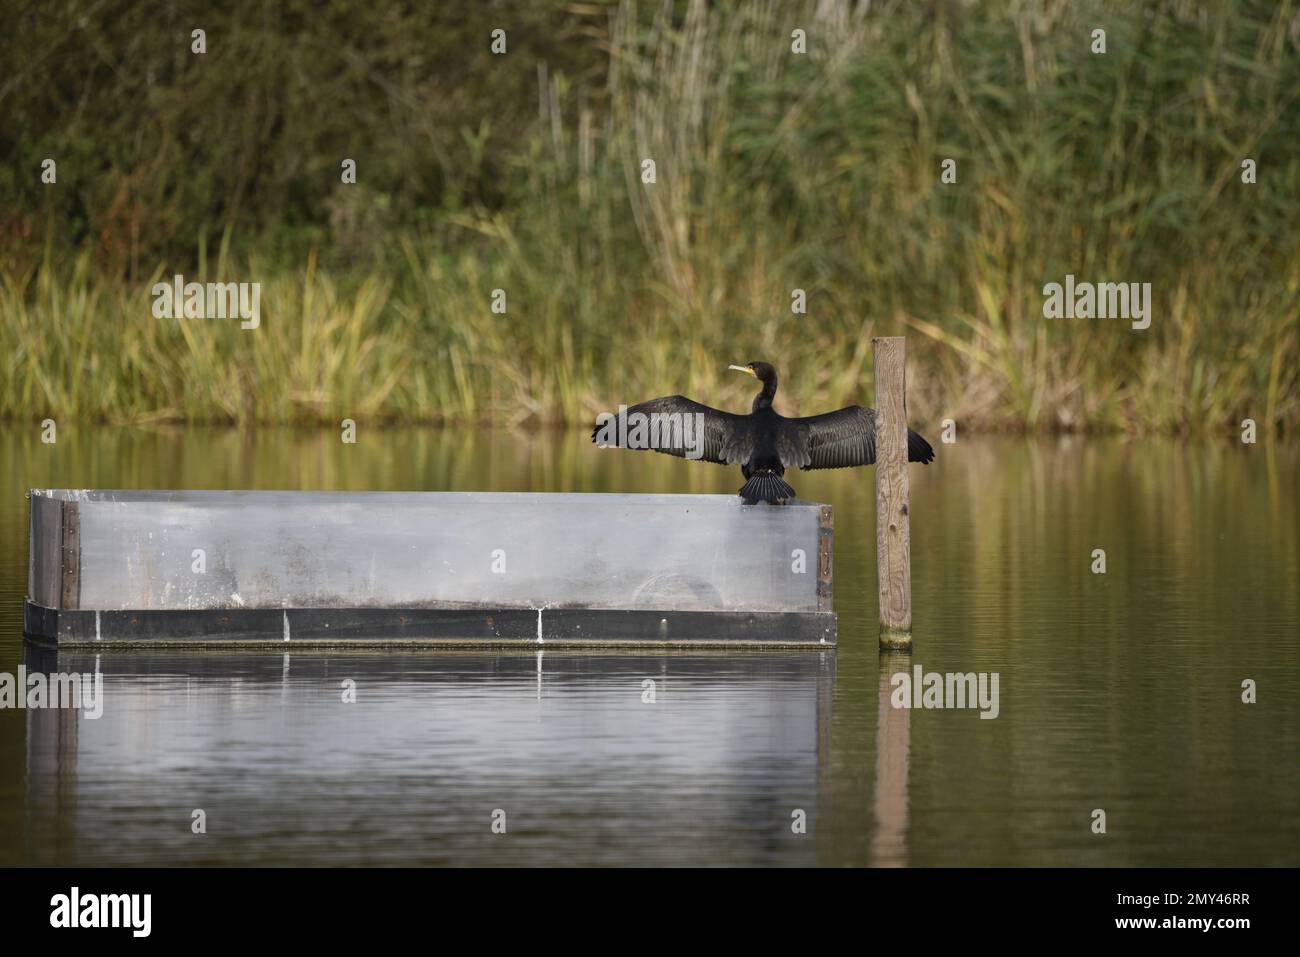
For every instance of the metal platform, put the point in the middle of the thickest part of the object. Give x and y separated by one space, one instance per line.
193 568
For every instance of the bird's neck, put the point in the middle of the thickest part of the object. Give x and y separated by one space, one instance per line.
764 399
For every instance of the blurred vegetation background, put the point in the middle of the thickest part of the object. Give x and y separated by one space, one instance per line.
775 171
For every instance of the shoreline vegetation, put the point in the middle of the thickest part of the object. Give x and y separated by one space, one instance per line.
774 172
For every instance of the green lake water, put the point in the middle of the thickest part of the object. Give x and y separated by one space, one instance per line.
1119 691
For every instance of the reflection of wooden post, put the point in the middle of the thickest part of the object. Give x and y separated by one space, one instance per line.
893 734
893 534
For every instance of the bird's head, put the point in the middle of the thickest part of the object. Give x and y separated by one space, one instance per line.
764 372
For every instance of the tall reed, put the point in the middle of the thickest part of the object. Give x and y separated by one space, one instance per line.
774 171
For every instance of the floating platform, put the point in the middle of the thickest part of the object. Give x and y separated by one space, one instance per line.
331 569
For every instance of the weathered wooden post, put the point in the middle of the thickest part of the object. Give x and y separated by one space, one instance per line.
893 532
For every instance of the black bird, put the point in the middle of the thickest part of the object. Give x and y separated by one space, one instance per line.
766 443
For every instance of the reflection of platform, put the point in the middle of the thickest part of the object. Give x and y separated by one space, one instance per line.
588 770
335 568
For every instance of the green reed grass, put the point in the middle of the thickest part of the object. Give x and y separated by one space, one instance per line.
775 171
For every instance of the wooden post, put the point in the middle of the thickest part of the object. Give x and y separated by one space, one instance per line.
893 532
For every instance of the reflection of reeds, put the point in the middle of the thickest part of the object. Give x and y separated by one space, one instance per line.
776 171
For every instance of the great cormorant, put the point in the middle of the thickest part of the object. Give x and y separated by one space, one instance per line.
765 443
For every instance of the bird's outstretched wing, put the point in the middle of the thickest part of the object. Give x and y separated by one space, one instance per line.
710 434
847 437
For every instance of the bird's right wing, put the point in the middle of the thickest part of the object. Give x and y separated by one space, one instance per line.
676 425
840 439
847 437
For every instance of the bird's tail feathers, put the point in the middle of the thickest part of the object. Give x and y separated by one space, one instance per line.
767 487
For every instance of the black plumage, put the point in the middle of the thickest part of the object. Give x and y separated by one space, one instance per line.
765 443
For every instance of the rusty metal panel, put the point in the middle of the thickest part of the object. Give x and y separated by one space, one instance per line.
44 550
70 556
825 552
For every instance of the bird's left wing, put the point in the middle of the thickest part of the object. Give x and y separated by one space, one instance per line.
676 425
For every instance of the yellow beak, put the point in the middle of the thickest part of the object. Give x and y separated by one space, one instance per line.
745 369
